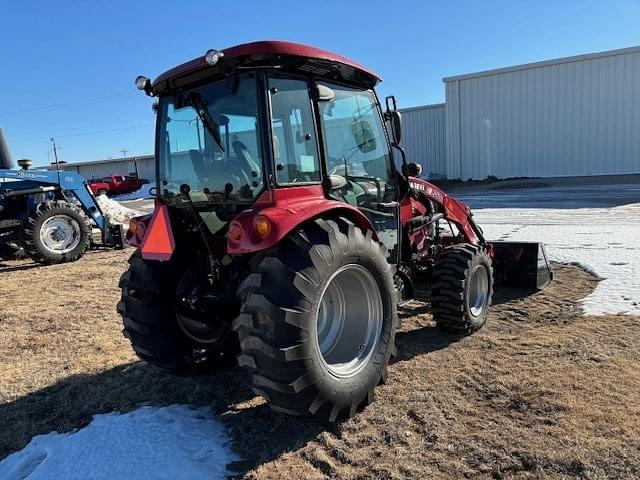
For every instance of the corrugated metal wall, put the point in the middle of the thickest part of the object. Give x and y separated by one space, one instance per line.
424 138
89 170
574 116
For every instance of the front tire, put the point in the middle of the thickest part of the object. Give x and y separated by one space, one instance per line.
318 320
57 232
462 288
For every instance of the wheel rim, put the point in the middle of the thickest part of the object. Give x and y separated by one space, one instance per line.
478 290
60 234
349 320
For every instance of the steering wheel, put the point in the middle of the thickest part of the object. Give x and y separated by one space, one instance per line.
301 177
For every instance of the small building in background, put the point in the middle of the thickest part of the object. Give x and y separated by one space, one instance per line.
142 166
571 116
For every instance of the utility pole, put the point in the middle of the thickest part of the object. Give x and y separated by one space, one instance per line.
124 152
55 152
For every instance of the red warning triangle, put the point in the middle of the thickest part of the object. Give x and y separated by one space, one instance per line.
158 242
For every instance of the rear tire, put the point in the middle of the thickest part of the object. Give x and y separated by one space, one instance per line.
147 307
57 231
299 363
462 288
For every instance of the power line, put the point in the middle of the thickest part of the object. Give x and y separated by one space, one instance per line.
94 132
44 108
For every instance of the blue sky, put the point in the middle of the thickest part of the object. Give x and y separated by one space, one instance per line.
85 55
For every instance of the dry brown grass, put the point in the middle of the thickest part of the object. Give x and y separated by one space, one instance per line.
540 392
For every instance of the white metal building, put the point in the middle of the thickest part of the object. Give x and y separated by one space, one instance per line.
566 117
143 166
424 137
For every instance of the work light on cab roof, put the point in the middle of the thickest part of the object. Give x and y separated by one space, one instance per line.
212 56
143 83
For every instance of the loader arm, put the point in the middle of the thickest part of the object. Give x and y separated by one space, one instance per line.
454 210
45 181
518 264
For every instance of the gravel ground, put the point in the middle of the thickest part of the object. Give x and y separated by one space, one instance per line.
540 392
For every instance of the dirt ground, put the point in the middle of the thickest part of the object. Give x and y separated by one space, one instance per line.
540 392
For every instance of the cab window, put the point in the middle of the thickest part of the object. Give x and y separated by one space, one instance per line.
356 146
295 146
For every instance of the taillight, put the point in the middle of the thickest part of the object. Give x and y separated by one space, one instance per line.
261 226
235 232
141 230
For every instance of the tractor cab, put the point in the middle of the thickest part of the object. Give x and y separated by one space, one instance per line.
264 121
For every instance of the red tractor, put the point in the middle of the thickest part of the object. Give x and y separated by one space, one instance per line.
286 234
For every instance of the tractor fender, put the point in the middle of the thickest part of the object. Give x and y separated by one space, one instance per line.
284 215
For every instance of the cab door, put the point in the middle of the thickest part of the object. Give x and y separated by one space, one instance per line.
356 148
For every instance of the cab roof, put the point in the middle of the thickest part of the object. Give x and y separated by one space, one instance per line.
288 55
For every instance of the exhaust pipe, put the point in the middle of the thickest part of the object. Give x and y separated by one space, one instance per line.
25 163
6 161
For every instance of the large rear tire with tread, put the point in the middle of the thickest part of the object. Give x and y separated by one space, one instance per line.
462 288
307 300
147 307
57 231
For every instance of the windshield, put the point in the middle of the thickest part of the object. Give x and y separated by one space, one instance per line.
209 142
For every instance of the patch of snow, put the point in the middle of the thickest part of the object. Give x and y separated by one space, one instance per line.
605 241
159 443
116 212
141 194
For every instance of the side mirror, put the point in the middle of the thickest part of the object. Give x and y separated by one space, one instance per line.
412 169
395 118
324 93
363 136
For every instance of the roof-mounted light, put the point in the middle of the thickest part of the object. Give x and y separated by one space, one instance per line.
212 56
142 82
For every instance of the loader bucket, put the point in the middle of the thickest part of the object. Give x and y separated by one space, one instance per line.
521 264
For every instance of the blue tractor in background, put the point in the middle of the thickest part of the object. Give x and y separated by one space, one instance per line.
48 215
